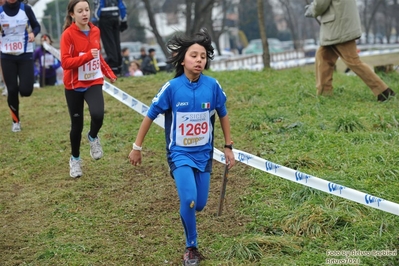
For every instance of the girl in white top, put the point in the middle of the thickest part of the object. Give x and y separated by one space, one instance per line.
134 69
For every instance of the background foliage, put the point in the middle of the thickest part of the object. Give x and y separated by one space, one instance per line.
116 214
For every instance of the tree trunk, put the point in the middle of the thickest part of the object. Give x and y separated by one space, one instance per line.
263 35
154 27
368 21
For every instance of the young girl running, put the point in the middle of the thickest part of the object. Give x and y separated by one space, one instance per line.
190 103
84 68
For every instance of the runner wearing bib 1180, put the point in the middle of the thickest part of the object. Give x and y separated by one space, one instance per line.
19 28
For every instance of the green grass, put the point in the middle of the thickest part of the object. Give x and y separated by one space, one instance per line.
117 214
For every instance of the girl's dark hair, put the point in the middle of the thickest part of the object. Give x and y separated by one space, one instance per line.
70 8
46 36
179 45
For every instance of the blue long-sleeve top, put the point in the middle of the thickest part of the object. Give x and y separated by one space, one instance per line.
189 109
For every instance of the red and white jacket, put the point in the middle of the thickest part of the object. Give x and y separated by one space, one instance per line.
81 70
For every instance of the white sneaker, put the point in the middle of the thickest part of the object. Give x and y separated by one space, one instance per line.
74 168
96 151
16 127
5 92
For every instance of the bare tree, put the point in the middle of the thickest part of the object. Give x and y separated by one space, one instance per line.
387 20
202 15
198 14
154 28
290 18
262 29
370 8
203 18
395 11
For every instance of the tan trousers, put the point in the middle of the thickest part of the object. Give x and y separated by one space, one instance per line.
327 56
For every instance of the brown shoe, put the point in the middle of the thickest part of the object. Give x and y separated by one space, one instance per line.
385 95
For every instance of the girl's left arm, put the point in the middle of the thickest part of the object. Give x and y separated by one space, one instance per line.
228 153
35 25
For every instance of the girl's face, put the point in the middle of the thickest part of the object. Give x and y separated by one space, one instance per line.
81 14
195 60
133 67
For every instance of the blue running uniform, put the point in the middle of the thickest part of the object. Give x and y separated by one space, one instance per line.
189 109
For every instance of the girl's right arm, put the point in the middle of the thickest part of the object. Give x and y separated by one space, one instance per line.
135 153
68 59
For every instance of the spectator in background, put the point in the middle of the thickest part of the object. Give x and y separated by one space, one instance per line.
143 54
4 93
134 69
46 62
19 27
339 29
149 65
111 17
125 62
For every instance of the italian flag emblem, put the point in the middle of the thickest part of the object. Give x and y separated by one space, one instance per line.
205 105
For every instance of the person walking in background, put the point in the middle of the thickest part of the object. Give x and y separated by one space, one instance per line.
111 17
190 103
19 27
84 68
46 62
134 69
339 29
149 66
143 54
125 62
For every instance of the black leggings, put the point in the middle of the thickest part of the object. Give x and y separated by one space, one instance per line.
75 101
19 78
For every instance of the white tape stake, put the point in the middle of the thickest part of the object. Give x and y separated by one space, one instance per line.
259 163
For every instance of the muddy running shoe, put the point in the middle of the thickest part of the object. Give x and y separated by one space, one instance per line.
16 127
192 257
75 169
96 151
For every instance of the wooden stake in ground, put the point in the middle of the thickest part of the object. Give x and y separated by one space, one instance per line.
223 189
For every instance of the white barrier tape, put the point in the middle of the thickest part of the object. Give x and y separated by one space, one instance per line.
227 65
311 181
379 52
268 166
54 51
130 101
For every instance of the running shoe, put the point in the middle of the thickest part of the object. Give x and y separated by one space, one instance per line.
96 151
75 169
16 127
192 257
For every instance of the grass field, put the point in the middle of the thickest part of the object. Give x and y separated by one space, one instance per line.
116 214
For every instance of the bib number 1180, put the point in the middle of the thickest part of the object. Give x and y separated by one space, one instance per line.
14 46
